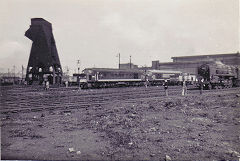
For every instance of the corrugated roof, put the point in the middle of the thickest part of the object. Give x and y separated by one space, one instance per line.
213 55
113 69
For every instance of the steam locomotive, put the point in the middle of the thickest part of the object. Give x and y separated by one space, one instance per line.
217 75
110 77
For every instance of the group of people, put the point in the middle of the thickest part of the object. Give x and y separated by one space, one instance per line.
184 88
165 85
47 84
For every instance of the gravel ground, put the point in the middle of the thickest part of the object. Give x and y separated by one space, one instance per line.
119 124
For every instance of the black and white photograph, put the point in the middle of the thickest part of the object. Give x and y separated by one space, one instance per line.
120 80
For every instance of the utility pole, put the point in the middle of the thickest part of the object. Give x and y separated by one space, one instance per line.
78 65
130 62
14 74
67 71
78 77
118 60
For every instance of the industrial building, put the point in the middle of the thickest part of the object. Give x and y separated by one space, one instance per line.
228 59
128 66
189 64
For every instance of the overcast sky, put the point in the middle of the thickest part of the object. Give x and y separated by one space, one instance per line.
95 31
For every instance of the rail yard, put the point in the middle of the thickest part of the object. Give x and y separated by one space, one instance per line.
188 109
134 123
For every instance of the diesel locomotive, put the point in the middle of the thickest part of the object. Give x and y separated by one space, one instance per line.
110 77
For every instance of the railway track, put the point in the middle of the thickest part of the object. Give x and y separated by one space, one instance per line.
33 99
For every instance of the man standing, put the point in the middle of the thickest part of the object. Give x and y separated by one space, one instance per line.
165 85
66 83
201 85
47 85
184 89
146 82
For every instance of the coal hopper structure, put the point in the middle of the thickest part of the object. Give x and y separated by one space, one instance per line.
43 64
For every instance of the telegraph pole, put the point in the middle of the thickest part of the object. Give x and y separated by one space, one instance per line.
119 60
130 62
78 65
67 70
78 77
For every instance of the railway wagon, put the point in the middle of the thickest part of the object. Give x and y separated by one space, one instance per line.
10 80
157 77
217 75
110 77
